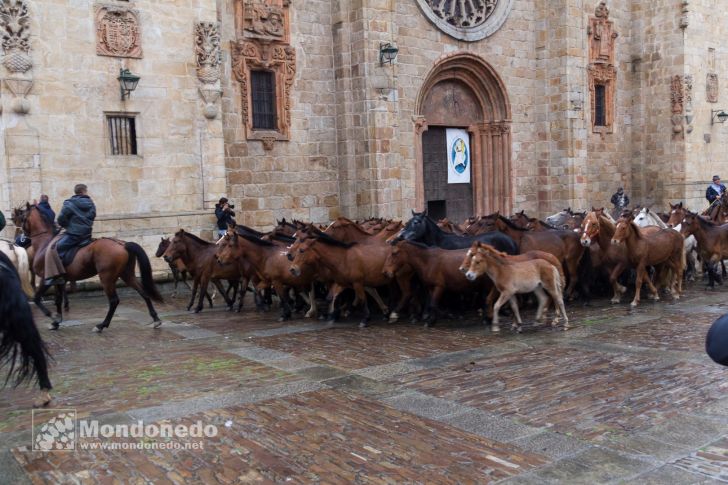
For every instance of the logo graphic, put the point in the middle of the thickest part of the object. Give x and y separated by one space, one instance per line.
57 432
459 156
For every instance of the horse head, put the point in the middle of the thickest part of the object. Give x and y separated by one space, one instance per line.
302 256
163 245
415 229
590 227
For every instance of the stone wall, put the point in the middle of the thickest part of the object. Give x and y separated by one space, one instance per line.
63 139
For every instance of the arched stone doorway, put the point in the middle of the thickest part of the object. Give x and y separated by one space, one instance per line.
464 91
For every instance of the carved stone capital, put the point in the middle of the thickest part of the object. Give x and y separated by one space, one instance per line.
118 33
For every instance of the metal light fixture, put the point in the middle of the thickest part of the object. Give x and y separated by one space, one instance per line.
718 115
387 53
127 82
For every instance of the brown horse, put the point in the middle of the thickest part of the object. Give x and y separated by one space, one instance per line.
199 258
110 259
349 265
515 277
436 268
664 246
269 263
562 244
712 242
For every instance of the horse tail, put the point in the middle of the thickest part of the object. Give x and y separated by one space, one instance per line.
145 267
21 347
24 270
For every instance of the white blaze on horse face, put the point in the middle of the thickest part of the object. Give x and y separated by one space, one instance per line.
470 275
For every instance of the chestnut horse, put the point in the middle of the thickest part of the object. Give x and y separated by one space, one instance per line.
712 242
110 259
350 265
515 277
198 256
437 269
661 247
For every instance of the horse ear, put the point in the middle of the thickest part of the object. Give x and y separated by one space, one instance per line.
413 212
680 204
647 210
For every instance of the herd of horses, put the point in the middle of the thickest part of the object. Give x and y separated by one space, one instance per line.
422 267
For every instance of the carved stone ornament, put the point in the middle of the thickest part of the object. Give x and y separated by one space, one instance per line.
15 24
711 87
468 20
263 19
281 60
207 51
117 32
602 34
677 94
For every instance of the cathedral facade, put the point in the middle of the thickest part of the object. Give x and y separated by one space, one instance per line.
358 108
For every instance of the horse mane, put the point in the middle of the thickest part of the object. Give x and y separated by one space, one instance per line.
239 228
351 223
197 239
282 238
417 244
510 224
487 249
255 240
547 225
637 230
326 239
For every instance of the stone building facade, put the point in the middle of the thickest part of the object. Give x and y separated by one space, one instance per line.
563 101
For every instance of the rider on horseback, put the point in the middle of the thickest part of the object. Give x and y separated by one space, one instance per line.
715 191
77 218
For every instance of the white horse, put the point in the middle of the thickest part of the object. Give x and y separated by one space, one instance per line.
19 257
646 218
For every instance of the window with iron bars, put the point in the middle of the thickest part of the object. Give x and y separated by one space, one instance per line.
263 97
122 134
600 105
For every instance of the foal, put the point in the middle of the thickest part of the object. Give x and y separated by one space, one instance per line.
511 277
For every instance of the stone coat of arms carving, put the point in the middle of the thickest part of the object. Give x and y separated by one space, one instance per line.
264 19
469 20
117 32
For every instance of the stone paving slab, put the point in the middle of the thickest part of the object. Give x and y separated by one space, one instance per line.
320 436
626 396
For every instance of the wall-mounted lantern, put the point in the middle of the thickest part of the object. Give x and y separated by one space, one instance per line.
127 82
718 116
387 53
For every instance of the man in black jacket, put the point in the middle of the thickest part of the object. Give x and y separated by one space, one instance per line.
225 215
77 218
715 190
45 208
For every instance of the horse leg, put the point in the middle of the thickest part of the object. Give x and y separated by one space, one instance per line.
195 288
405 289
504 297
542 302
572 270
555 294
513 301
38 299
378 299
110 290
361 296
285 302
58 298
175 277
243 290
131 280
434 305
641 274
619 290
313 306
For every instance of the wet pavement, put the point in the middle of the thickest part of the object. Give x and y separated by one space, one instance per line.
623 397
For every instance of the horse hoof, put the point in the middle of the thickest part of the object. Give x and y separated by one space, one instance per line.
633 304
98 329
53 326
495 329
43 400
363 324
157 324
614 301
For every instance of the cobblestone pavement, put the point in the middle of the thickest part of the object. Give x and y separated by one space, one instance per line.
623 397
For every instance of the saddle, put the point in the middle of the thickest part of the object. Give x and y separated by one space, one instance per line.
68 255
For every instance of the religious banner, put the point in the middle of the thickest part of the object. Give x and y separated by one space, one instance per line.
458 156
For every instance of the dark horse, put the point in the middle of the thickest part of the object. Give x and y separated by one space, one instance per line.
110 259
19 338
423 229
